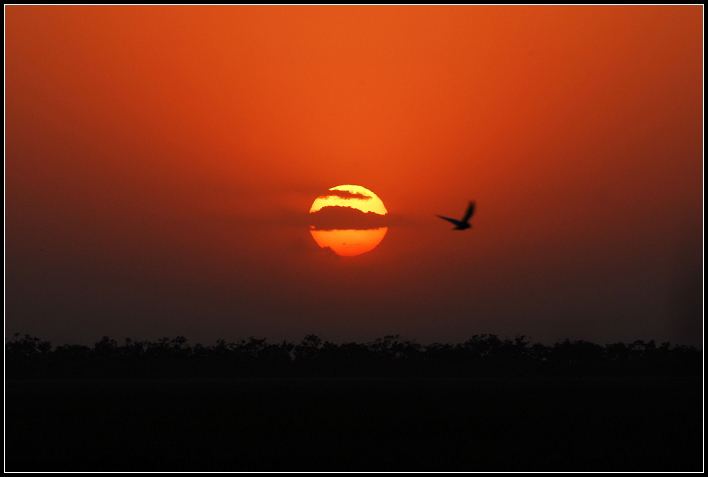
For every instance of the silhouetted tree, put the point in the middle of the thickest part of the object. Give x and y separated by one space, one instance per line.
481 355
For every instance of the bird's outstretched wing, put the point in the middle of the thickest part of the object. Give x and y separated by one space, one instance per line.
454 221
470 211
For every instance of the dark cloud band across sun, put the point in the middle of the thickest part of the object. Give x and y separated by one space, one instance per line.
343 194
343 217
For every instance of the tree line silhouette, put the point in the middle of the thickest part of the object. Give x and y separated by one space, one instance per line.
481 355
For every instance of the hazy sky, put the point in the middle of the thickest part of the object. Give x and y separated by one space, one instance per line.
160 163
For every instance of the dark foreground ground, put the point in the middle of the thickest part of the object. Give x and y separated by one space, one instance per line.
358 424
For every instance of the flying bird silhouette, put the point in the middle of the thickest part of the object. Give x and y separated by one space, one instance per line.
465 222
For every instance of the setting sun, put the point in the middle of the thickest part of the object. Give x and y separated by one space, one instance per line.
344 231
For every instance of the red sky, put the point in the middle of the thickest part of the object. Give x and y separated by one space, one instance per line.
160 162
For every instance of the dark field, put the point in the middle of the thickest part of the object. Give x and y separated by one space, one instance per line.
356 424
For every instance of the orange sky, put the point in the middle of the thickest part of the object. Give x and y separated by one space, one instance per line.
160 163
